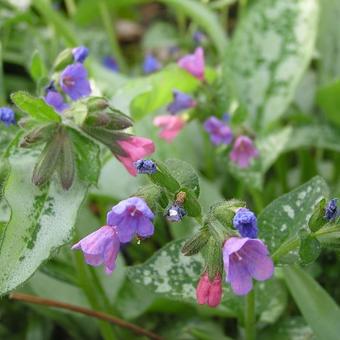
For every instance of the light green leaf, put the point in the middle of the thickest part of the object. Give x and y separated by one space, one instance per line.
42 220
38 68
317 307
270 51
158 89
328 44
283 218
328 99
35 107
203 17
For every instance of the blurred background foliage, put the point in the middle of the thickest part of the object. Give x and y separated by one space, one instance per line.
304 142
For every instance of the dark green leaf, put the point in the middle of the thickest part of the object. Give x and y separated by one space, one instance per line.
164 178
310 249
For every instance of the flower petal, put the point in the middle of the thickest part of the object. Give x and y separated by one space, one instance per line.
239 278
145 227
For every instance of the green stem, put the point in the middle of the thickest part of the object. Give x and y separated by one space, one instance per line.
243 7
87 286
70 7
2 82
109 27
249 316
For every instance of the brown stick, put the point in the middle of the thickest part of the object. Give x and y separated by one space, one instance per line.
99 315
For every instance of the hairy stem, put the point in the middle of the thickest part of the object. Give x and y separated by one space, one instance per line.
249 316
86 311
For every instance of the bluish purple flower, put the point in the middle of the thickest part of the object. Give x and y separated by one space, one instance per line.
111 63
7 116
80 53
198 37
219 132
101 246
74 82
131 216
145 166
331 211
181 101
245 222
151 64
175 213
55 99
245 259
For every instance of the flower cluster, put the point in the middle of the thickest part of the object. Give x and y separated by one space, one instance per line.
174 122
129 218
72 81
245 257
243 150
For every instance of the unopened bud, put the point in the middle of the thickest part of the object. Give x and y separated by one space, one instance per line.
317 220
196 243
208 291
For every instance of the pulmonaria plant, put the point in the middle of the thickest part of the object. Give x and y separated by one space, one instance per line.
209 292
151 64
170 126
181 101
243 152
331 210
194 63
219 131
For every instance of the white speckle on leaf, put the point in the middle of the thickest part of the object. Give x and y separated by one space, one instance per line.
283 227
289 210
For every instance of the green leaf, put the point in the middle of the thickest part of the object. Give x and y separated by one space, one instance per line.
283 218
329 101
269 53
328 44
203 17
153 195
191 204
164 178
185 174
158 89
38 68
87 157
310 249
317 307
170 274
41 221
35 107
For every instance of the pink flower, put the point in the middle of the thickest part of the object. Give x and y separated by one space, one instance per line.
194 63
243 151
135 148
170 126
209 293
102 246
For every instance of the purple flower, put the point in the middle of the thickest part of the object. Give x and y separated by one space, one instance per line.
220 133
55 99
80 53
175 213
243 151
145 166
245 222
102 246
181 101
245 259
111 63
151 64
194 63
131 216
331 211
7 116
74 82
198 37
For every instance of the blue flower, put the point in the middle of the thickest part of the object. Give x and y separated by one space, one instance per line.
245 222
151 64
110 63
80 53
175 213
7 116
145 166
198 37
55 99
331 211
131 216
181 101
74 82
